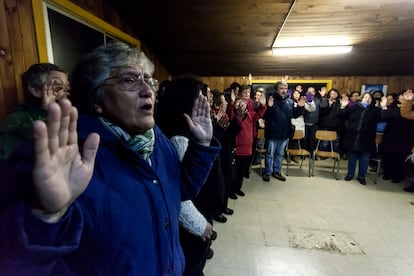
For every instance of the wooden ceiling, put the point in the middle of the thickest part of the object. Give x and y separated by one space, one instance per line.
230 38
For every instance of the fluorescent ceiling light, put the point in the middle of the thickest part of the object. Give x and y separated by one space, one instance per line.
305 41
313 50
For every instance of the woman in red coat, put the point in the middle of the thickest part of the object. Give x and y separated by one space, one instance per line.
244 140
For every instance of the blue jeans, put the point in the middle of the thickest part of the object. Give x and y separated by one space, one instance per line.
274 155
363 158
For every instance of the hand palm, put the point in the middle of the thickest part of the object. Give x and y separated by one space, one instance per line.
270 102
200 122
61 174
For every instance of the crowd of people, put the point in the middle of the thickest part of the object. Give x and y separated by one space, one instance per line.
357 120
115 174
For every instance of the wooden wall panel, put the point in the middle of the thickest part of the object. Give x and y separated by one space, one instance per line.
4 46
22 37
18 48
9 94
27 35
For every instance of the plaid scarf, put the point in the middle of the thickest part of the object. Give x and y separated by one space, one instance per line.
141 143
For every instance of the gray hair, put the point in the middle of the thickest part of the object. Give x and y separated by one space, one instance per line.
279 83
37 75
89 74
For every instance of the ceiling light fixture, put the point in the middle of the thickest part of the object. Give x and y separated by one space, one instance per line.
310 50
293 48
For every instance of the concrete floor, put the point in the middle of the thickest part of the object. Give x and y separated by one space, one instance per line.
316 226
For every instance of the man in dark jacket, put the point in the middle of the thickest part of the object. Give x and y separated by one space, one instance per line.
277 130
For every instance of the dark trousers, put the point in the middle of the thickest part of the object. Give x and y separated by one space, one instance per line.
227 168
363 159
195 253
393 165
310 139
242 163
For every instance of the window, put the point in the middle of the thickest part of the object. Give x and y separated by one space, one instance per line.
66 32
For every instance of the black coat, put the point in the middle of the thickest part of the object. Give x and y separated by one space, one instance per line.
399 133
227 139
328 117
362 126
278 118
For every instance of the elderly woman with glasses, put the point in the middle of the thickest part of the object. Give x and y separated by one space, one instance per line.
112 210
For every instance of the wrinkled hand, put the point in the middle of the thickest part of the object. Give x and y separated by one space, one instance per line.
302 101
344 102
60 173
322 92
263 99
224 121
48 95
271 101
241 110
220 113
383 102
233 96
408 95
207 232
200 122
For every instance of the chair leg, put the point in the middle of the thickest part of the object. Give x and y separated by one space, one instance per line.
260 168
377 171
335 169
287 164
309 170
313 163
301 162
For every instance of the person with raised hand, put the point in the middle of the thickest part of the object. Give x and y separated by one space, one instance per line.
43 84
360 133
68 213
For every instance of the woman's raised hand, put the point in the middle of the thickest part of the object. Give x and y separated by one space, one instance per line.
200 121
60 172
344 101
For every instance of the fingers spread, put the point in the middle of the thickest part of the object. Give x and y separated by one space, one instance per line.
64 124
194 111
53 126
189 121
203 107
73 121
41 143
90 148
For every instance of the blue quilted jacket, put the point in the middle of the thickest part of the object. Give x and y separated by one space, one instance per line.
125 223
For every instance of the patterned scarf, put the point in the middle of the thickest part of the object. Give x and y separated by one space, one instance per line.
141 143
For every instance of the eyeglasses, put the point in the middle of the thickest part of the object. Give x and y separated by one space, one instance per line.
131 82
60 87
57 85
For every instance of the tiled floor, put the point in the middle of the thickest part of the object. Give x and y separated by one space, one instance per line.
257 238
